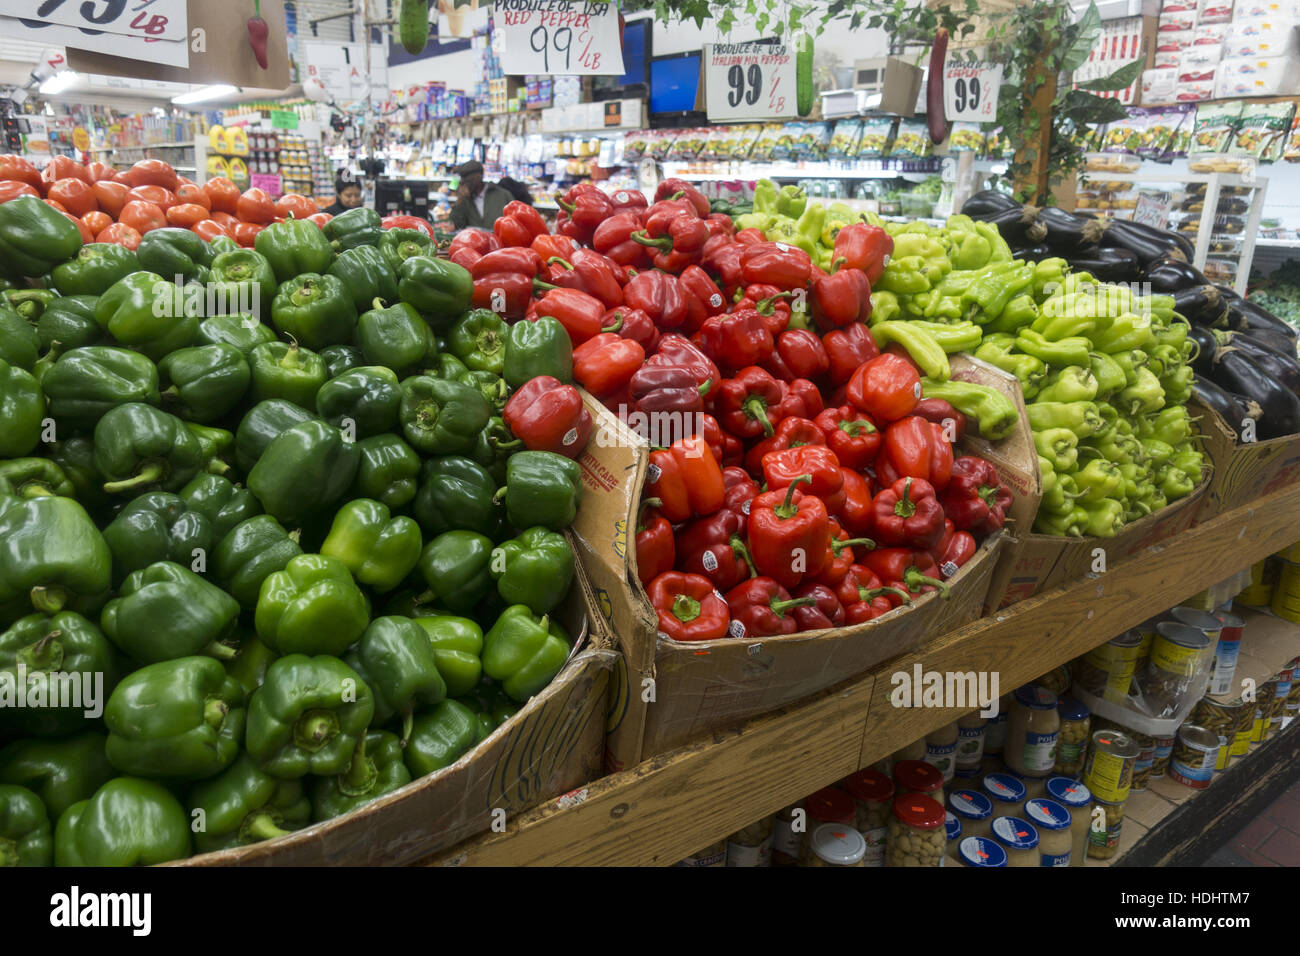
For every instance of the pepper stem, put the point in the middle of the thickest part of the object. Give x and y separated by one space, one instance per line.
739 550
780 607
646 505
222 652
36 491
260 825
663 243
214 711
905 507
362 773
618 323
838 545
377 303
685 608
914 578
756 409
870 594
291 357
45 655
562 261
314 729
857 427
787 508
147 476
49 598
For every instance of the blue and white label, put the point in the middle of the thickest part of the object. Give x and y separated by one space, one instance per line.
1057 859
1225 665
1040 752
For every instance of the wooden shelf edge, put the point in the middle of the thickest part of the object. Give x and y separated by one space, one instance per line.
677 803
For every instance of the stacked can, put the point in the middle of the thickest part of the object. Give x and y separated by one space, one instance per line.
1195 754
1283 681
1226 652
1221 718
1108 671
1108 775
1285 602
1260 591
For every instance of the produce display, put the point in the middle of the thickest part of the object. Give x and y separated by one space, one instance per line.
301 559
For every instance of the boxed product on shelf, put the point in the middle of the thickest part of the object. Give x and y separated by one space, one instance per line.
1222 271
1170 7
966 138
1214 11
1169 48
912 141
844 140
1264 130
1183 21
1257 76
876 132
1216 126
1218 163
1261 37
1098 162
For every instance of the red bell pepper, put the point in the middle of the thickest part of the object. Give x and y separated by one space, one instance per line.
723 262
887 388
864 598
579 313
677 350
688 608
519 224
748 405
841 299
975 498
792 432
751 237
825 611
741 489
548 415
851 435
848 349
660 296
906 569
908 514
632 324
865 247
678 245
714 547
711 432
720 225
915 448
508 294
696 282
604 364
686 478
589 272
855 511
613 238
518 260
789 533
471 245
551 246
587 207
657 218
764 608
736 340
939 412
679 188
655 545
657 390
775 263
840 558
800 398
818 462
803 353
960 550
628 200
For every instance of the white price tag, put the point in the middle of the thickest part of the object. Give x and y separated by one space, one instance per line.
748 81
150 19
560 37
133 46
970 91
1152 210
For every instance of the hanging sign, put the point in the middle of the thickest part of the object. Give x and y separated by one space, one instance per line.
133 46
149 19
1152 209
749 81
559 37
970 91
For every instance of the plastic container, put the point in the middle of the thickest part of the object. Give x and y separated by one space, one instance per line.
834 845
1033 732
1052 821
1072 749
1177 656
1019 839
974 810
981 852
1108 773
916 832
917 776
1077 799
873 793
1005 792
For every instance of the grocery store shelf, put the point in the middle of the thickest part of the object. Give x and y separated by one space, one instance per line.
116 149
675 804
1277 243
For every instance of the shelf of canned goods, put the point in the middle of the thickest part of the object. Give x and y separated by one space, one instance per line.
679 803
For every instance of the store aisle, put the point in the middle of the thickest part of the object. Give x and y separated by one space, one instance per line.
1271 839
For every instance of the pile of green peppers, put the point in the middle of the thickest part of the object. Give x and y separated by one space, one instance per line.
303 557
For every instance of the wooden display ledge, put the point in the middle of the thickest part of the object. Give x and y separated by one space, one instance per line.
678 803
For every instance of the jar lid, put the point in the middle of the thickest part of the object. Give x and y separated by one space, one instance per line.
970 805
838 845
1047 814
951 826
1072 793
870 785
1183 636
981 851
1015 833
919 811
1194 617
1071 709
918 775
1004 787
830 805
1036 697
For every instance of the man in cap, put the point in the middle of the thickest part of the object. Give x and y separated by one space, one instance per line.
479 205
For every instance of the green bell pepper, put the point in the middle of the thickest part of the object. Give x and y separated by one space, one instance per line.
244 332
76 456
22 409
204 382
69 321
533 569
479 340
490 703
524 652
138 446
457 493
1108 374
249 668
166 611
218 447
439 289
341 358
244 805
1060 446
440 417
1105 517
263 423
363 402
1030 371
379 549
457 645
51 556
396 337
154 527
1067 351
395 659
252 551
128 822
1075 383
356 227
86 383
445 365
35 237
492 387
1069 523
377 768
542 488
993 414
50 649
455 566
1099 479
387 471
98 266
441 736
308 717
494 447
398 245
1144 395
219 502
311 607
1082 418
241 282
25 838
29 304
315 310
176 254
294 247
141 313
33 477
538 348
61 771
303 471
179 719
367 275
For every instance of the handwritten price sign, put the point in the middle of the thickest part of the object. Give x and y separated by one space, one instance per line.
150 19
749 81
970 91
560 37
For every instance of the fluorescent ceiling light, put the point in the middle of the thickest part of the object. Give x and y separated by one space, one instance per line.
204 93
59 82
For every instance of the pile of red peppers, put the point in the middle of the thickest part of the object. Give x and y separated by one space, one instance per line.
797 479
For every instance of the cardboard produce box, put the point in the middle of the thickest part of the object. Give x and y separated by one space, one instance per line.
668 692
552 745
1242 471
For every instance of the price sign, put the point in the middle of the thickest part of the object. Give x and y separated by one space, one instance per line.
970 91
1152 209
135 46
153 19
749 81
269 182
560 37
284 119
